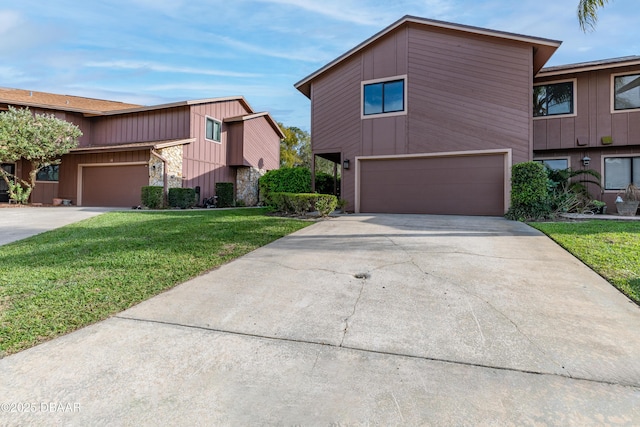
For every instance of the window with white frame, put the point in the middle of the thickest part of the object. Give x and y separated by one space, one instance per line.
48 173
620 172
554 164
626 92
213 129
383 97
553 99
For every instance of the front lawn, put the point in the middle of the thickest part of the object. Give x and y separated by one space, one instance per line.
67 278
611 248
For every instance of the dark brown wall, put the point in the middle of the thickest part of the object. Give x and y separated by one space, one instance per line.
593 118
156 125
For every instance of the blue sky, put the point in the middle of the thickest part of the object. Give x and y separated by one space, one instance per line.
158 51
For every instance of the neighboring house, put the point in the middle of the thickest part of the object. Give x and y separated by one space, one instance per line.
588 116
125 147
429 116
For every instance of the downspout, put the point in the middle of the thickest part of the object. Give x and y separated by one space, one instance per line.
165 178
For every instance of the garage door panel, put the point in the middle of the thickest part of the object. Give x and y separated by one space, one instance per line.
118 186
469 185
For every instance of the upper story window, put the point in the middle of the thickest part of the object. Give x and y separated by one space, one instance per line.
620 172
48 173
383 97
213 129
553 99
626 92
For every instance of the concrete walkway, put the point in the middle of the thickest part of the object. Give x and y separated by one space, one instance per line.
17 223
383 320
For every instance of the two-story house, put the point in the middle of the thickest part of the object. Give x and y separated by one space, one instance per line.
429 116
125 147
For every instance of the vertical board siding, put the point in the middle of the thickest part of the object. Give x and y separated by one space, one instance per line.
261 146
44 192
155 125
205 162
468 93
593 119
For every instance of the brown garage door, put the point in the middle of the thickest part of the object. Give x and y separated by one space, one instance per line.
463 185
113 185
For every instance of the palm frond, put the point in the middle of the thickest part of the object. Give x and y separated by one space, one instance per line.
588 13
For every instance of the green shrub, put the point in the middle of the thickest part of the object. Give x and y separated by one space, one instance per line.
152 196
324 183
529 192
182 198
224 191
285 180
302 203
326 203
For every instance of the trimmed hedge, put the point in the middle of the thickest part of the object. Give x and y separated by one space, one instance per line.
302 203
152 196
224 191
284 180
183 198
529 192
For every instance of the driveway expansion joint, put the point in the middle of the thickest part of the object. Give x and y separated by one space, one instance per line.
635 387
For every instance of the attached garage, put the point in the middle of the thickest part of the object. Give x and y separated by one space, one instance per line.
112 185
468 183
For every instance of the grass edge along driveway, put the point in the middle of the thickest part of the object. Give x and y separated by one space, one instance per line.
64 279
610 248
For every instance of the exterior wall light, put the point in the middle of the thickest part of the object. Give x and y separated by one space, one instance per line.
345 164
586 160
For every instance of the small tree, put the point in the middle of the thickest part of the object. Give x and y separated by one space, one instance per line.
41 139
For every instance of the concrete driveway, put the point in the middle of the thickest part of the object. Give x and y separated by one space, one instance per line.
386 319
20 223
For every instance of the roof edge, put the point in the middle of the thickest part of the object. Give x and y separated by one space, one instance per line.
582 67
264 114
304 84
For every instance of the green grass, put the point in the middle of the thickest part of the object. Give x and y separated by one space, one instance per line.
611 248
67 278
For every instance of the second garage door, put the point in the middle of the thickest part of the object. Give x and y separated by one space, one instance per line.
118 186
455 185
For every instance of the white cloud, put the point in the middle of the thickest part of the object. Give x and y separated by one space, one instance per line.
341 10
8 21
139 65
310 54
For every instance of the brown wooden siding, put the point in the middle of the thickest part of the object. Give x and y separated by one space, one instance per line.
44 192
156 125
235 143
468 93
261 148
68 184
205 162
593 119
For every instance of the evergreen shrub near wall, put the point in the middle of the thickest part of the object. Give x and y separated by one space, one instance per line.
529 192
183 198
284 180
302 203
152 196
224 191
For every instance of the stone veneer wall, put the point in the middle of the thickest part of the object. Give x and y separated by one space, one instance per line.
247 185
174 167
